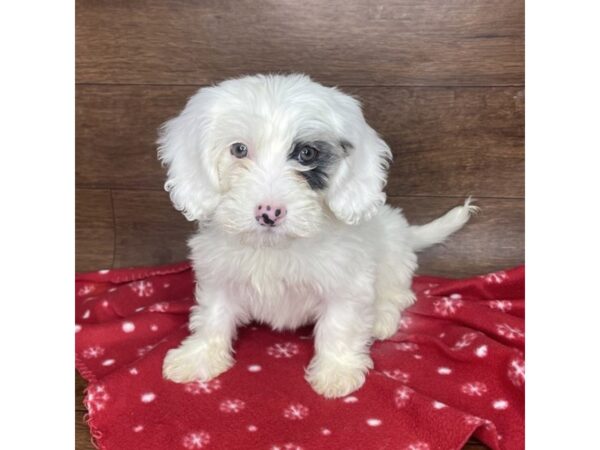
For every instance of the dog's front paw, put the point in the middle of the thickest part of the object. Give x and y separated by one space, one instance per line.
336 377
195 360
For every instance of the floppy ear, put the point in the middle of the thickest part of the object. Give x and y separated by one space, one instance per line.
186 147
357 187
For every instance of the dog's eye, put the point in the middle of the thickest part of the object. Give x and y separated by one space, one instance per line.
307 155
239 150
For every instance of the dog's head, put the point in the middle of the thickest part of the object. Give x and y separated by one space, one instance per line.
273 156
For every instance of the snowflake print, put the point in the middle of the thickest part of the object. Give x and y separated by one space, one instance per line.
516 371
295 412
464 341
402 396
447 306
397 375
500 305
96 398
196 439
232 406
496 277
286 446
93 352
283 350
86 289
509 332
474 389
142 288
404 323
407 347
158 307
202 387
418 446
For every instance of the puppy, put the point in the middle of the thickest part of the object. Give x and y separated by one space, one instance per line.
285 179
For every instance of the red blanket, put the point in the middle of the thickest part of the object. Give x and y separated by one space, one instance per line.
454 369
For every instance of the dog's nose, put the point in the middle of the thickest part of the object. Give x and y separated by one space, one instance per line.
269 215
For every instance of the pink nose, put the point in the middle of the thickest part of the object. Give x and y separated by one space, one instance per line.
269 215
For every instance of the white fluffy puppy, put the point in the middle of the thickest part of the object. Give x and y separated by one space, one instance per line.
285 179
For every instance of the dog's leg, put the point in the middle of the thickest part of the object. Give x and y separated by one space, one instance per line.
388 308
206 353
342 341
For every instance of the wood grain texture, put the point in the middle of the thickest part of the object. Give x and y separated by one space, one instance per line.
149 231
446 141
94 232
376 42
492 240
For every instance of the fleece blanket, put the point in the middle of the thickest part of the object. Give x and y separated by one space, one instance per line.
455 369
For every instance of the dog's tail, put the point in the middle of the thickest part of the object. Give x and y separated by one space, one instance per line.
436 231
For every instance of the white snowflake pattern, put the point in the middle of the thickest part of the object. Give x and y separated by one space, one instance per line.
500 305
96 398
286 446
407 347
158 307
283 350
232 406
142 288
418 446
196 439
397 375
447 306
474 389
202 387
86 289
465 340
405 323
509 332
516 371
496 277
93 352
402 396
295 411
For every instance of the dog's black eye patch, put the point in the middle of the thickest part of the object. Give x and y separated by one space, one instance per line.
318 157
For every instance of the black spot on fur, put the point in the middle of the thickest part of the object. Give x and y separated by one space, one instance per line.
317 176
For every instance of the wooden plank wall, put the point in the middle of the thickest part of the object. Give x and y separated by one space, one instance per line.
442 81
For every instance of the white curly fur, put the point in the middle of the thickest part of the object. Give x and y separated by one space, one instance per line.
341 258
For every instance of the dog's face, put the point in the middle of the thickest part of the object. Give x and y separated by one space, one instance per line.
272 157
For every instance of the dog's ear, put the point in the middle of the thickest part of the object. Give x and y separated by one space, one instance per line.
356 190
186 147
